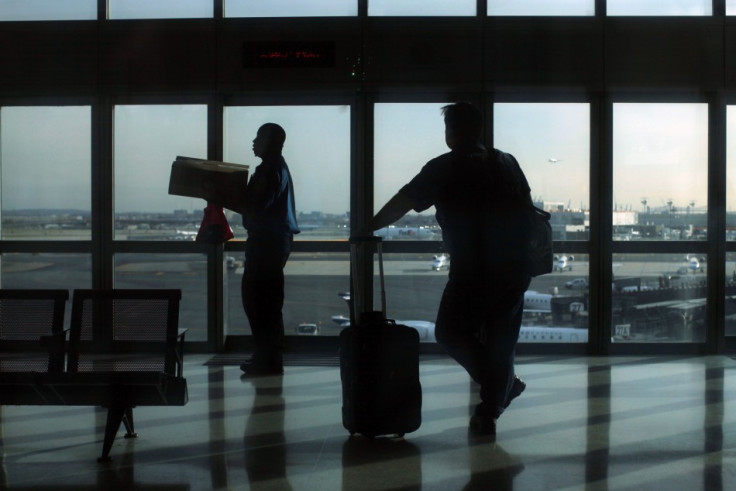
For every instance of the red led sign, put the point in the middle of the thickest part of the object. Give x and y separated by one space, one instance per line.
293 54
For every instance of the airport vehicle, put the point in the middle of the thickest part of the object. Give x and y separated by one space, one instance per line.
562 263
577 284
307 329
441 261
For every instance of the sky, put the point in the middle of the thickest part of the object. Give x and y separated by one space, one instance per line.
126 9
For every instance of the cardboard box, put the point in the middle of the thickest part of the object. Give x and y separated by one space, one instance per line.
217 182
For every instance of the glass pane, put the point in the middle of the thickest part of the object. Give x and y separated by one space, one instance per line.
730 7
556 164
423 8
317 151
660 171
659 298
45 154
46 270
160 9
659 7
291 8
187 272
19 10
312 303
556 305
730 294
731 173
541 7
147 140
407 136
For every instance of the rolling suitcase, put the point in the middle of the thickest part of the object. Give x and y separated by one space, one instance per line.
379 365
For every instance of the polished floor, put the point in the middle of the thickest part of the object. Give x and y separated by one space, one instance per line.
583 423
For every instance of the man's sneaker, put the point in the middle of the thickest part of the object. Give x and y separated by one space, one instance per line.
516 389
482 425
259 369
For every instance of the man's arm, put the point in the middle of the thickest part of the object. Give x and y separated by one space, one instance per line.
397 207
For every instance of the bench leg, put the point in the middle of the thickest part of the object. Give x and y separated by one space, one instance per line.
115 414
128 422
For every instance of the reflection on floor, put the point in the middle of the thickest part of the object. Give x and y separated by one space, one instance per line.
594 423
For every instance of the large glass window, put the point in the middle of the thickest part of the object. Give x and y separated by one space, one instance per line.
147 140
160 9
291 8
20 10
187 272
45 165
317 151
46 270
541 7
556 164
660 171
660 7
423 8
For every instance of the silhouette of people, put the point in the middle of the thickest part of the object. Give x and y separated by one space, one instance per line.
269 216
481 198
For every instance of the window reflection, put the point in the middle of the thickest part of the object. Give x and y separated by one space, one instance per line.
48 10
557 164
659 298
658 7
46 168
160 9
290 8
660 171
187 272
147 140
541 7
313 304
317 151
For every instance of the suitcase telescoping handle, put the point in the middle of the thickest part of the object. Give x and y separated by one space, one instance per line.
357 307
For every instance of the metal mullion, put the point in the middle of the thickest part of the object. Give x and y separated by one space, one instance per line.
716 276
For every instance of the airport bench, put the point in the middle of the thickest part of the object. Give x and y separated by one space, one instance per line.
31 343
125 350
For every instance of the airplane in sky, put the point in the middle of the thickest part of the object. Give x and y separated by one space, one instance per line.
562 263
415 233
553 160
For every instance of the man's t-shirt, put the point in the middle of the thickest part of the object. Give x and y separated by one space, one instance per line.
270 199
481 198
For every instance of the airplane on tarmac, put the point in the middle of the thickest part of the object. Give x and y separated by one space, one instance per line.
441 261
528 334
562 263
694 262
537 303
393 232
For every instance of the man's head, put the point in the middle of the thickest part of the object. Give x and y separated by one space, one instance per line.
463 124
269 140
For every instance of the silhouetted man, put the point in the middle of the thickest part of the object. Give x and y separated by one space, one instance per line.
269 216
481 198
